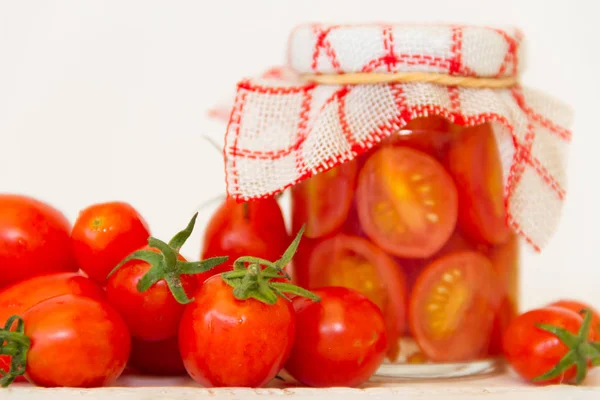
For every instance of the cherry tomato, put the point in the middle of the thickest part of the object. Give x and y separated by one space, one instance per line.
340 341
160 358
531 351
75 342
104 234
151 315
431 135
407 203
256 228
19 297
578 306
322 202
237 343
452 307
355 263
34 239
474 161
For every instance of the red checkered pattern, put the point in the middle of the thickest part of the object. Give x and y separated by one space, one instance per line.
283 130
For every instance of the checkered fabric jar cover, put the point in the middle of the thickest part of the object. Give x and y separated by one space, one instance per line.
283 129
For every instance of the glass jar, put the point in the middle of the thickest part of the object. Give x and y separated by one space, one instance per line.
418 224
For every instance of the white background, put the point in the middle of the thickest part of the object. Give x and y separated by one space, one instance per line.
107 100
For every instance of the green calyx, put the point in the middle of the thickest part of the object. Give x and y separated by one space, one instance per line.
253 277
15 344
581 351
165 264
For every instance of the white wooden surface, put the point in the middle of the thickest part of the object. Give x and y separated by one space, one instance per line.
491 387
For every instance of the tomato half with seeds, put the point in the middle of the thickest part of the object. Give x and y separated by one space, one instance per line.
407 202
474 161
322 202
355 263
104 234
452 307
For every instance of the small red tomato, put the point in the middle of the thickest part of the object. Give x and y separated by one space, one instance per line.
340 341
34 239
160 358
534 352
228 342
75 342
151 286
255 228
20 297
578 306
104 234
150 315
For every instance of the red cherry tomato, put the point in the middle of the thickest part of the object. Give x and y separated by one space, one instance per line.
20 297
355 263
340 341
474 162
228 342
407 203
531 351
160 358
34 239
256 228
322 202
502 320
578 306
104 234
75 342
431 135
151 315
452 307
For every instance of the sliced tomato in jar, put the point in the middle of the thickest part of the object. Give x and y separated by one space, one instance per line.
503 318
431 135
474 161
452 307
322 202
355 263
505 260
407 202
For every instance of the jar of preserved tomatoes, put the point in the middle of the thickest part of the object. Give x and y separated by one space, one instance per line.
417 164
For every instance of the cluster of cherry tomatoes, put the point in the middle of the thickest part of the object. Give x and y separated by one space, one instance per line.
80 304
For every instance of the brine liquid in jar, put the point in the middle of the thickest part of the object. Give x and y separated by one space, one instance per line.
418 225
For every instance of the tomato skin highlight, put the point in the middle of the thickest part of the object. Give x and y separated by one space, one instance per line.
75 342
104 234
34 239
531 351
20 297
407 203
236 229
453 306
225 342
323 201
160 358
151 315
340 341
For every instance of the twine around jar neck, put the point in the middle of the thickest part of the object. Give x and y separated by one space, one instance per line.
365 78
